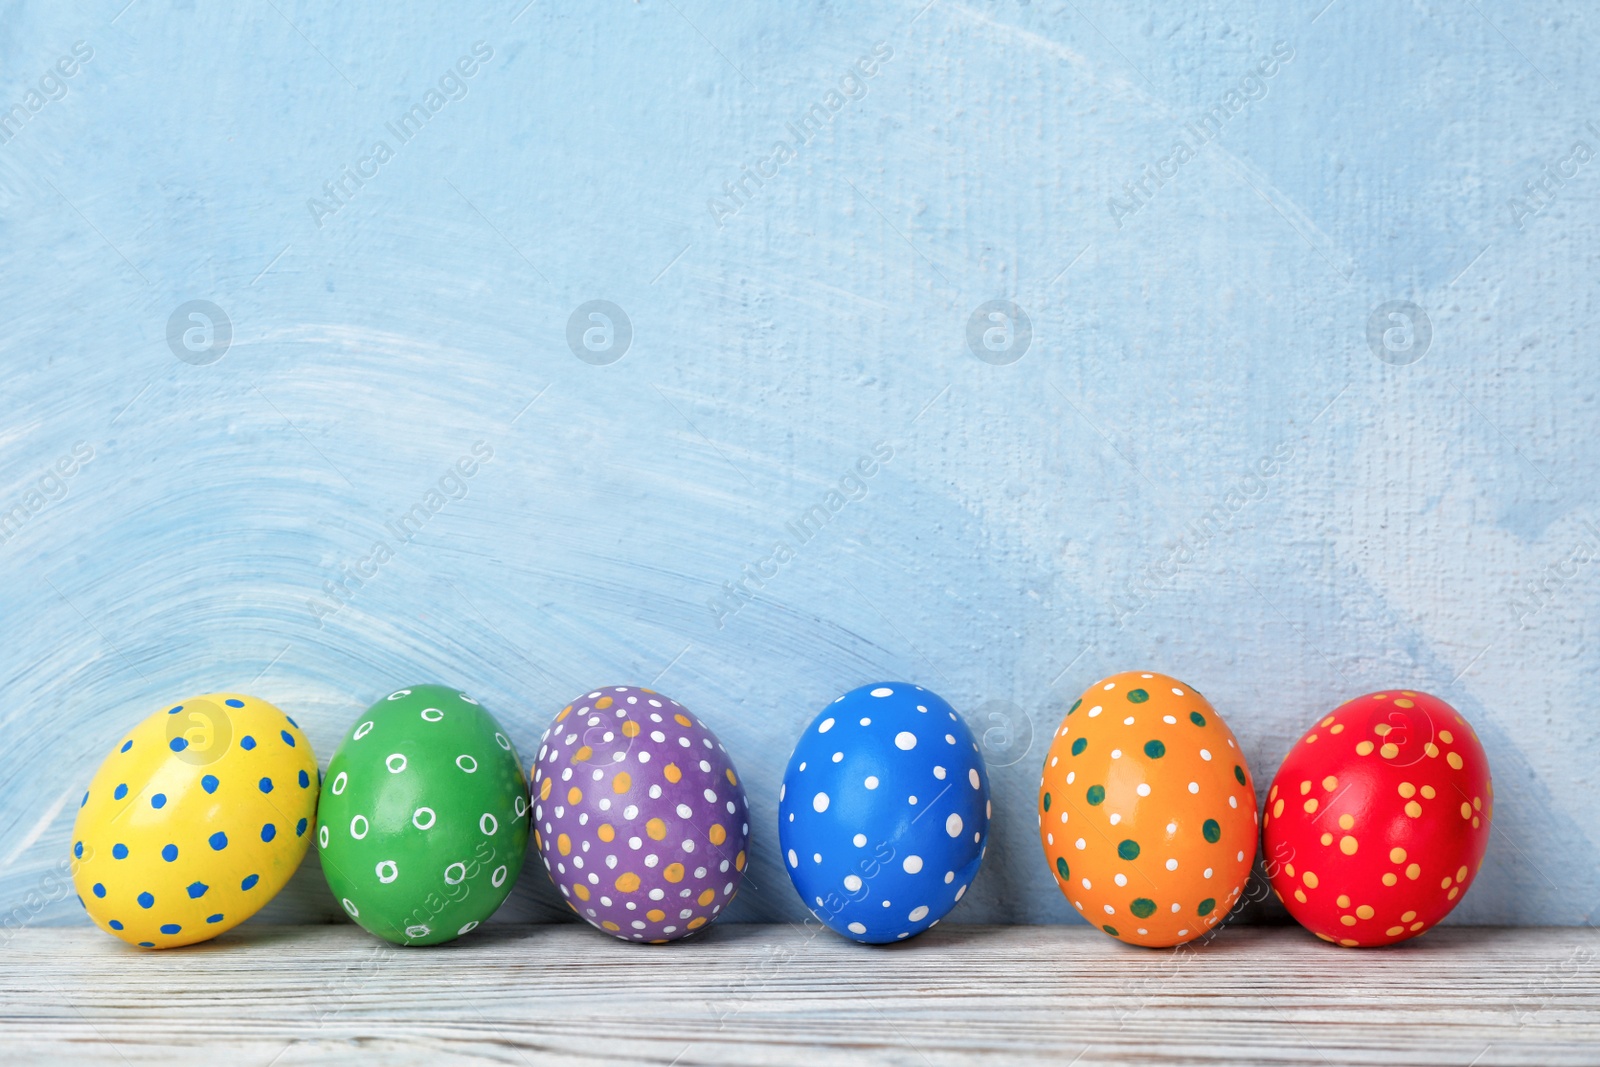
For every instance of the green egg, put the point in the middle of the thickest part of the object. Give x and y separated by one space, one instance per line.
423 817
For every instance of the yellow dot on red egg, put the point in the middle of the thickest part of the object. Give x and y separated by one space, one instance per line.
1397 855
1431 749
1348 920
1310 738
1324 936
1389 750
1474 822
1343 900
1428 792
1394 931
1416 926
1466 810
1330 783
1300 895
1348 845
1455 761
1390 878
1414 871
1277 808
1305 787
1365 911
1446 737
1327 839
1407 789
1336 728
1349 942
1454 890
1382 729
1309 878
1364 748
1403 703
1477 803
1273 793
1346 821
1311 805
1413 809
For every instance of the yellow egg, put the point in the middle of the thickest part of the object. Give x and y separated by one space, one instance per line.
195 820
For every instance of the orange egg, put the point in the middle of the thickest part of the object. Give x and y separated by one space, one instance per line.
1147 811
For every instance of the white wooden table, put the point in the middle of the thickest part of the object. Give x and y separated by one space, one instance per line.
774 994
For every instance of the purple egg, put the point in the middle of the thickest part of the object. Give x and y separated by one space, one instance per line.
639 815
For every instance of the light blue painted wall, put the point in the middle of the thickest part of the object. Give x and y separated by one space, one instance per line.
1028 507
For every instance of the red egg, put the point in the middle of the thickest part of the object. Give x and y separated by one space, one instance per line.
1378 819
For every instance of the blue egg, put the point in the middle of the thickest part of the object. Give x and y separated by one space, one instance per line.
884 814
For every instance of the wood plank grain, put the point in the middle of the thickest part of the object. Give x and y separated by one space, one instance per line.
746 994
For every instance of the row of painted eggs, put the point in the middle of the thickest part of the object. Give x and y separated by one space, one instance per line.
1374 826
